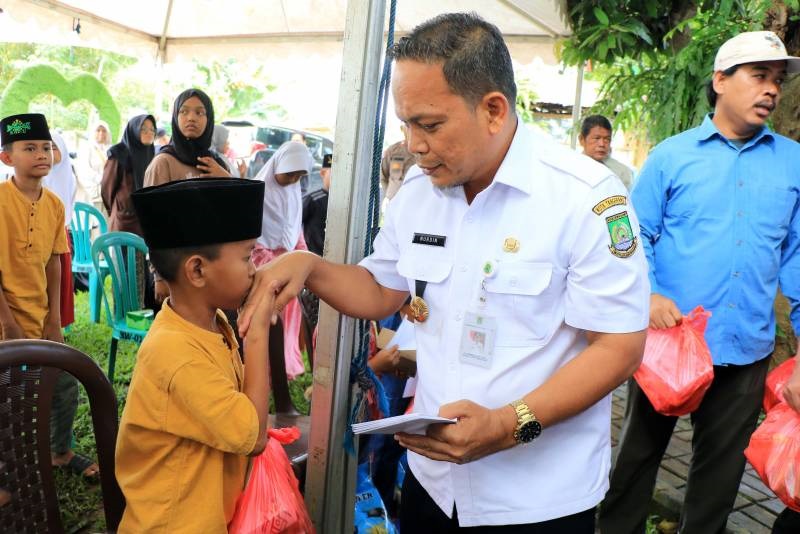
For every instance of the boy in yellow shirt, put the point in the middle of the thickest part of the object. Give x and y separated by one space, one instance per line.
194 413
32 239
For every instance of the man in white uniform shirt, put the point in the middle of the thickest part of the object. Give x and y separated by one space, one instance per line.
528 261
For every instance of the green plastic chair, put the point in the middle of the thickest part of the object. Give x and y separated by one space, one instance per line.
118 250
84 219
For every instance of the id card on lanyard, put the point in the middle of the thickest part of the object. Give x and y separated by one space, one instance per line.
480 328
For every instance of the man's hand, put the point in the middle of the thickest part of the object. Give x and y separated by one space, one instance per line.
11 330
289 272
479 432
52 331
664 313
791 390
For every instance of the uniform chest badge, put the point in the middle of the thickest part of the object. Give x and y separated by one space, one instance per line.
623 242
511 244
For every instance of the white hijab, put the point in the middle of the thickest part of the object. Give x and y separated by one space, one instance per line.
283 205
61 179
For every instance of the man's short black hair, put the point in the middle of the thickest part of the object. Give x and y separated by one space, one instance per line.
593 121
167 261
711 94
475 58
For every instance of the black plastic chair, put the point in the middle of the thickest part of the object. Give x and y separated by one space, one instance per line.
28 373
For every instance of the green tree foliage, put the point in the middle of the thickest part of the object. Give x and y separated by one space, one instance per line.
46 80
655 57
238 92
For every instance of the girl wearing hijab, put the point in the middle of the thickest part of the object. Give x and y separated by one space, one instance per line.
124 172
188 153
281 230
63 183
122 176
99 140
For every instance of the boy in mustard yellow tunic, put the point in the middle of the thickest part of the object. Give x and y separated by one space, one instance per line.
32 240
194 413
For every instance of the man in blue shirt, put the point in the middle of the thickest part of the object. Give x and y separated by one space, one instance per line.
720 224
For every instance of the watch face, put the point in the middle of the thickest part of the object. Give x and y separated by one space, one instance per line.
529 431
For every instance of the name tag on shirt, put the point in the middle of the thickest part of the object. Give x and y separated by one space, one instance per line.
429 239
477 339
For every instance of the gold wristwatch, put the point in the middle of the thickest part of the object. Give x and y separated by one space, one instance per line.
528 428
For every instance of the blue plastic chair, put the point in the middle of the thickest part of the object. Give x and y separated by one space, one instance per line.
118 250
84 219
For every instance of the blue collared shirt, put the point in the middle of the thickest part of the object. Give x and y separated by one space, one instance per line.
720 228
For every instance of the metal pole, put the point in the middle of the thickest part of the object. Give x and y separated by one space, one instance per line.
331 473
576 107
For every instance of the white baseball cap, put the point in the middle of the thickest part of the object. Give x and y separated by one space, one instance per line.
750 47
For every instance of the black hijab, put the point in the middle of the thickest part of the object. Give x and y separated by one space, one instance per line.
131 154
188 150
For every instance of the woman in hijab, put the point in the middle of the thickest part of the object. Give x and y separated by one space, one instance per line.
63 183
220 144
122 176
281 230
99 136
188 153
124 172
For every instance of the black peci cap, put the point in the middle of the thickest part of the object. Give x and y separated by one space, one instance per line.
199 212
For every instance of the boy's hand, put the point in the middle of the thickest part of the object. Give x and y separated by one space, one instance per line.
52 331
289 271
11 330
264 304
385 360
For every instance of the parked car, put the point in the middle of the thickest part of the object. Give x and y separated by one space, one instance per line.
264 140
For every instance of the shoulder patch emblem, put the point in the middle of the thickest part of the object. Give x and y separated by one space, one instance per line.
603 205
623 242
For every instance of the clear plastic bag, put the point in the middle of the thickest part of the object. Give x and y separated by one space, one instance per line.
677 369
776 379
774 451
272 503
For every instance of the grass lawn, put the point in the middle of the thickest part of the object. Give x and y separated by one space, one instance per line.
80 501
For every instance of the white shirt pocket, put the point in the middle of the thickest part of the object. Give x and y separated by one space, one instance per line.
521 296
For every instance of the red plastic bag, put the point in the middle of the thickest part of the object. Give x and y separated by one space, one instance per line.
774 451
776 379
271 503
677 368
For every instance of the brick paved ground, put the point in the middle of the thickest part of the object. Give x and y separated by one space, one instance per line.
756 506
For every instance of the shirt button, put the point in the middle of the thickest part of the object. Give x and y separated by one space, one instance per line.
739 213
513 281
470 219
463 267
731 305
457 317
741 183
738 242
736 274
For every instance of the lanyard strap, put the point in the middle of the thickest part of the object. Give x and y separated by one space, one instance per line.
419 287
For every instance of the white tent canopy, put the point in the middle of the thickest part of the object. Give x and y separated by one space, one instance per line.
184 29
299 42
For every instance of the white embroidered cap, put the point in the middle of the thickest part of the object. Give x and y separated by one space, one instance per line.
751 47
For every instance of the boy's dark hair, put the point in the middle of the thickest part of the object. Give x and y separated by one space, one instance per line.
475 58
167 261
711 94
592 121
